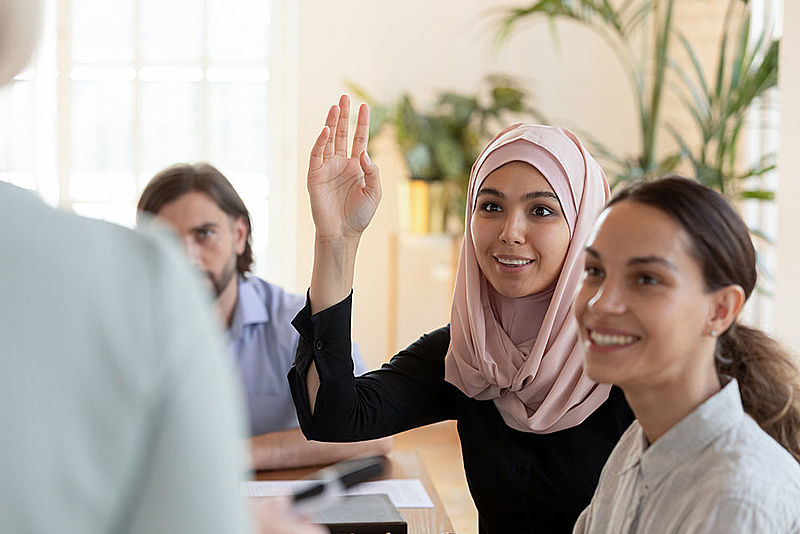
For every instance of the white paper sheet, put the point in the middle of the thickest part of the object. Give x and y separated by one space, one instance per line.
403 492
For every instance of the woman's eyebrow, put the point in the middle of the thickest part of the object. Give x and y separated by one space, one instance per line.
638 260
527 196
490 191
652 259
539 194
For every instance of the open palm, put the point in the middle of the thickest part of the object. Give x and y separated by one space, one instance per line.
344 191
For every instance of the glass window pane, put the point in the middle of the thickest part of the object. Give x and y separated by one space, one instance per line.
23 179
102 30
102 126
172 30
102 187
238 126
16 126
259 217
123 213
238 29
170 124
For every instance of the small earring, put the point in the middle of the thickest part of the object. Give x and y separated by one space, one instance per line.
713 332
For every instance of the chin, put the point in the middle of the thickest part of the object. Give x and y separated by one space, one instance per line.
598 372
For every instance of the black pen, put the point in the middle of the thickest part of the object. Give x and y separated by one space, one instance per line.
333 481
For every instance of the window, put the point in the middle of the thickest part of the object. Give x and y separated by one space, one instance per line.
762 136
121 89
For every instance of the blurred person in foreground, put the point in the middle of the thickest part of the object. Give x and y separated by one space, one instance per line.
118 408
213 223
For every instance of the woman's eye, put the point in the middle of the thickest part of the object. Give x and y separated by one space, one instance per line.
646 280
490 206
542 211
592 271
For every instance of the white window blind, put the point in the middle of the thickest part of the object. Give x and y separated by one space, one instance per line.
122 89
762 139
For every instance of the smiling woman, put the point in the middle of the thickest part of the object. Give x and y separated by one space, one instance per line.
716 443
519 231
534 430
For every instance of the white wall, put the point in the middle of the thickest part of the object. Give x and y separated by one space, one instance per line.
787 293
427 46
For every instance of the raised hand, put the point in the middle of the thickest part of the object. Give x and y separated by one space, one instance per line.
344 191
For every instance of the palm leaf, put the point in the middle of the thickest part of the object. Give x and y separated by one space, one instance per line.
701 77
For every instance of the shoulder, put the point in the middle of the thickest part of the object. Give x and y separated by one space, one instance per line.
275 296
423 359
748 467
735 513
434 343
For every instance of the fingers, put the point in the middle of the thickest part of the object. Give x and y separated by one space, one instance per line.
318 150
330 123
372 177
361 137
340 136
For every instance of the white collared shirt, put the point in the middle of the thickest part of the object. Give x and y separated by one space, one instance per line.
716 471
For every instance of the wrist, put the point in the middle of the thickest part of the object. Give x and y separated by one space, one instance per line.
332 274
342 243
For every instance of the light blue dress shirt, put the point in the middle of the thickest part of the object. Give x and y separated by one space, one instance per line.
263 342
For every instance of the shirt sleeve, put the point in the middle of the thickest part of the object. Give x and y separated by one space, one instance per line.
582 524
194 460
405 393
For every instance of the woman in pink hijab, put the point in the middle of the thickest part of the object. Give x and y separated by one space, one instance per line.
535 431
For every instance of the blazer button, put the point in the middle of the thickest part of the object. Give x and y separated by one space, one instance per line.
318 344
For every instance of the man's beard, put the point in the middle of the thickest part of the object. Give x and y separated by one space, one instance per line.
219 283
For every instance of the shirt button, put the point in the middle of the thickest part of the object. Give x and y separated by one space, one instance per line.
318 344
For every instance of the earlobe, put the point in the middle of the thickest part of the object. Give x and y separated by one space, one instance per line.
728 302
240 235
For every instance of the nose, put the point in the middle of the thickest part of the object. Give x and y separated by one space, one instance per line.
607 299
193 251
513 231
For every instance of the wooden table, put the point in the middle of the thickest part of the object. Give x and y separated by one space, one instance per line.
402 464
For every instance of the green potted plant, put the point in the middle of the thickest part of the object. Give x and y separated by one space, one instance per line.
646 42
747 67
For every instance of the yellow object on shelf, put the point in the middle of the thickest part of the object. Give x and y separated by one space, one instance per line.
418 204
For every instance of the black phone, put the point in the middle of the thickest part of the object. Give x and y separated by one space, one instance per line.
331 482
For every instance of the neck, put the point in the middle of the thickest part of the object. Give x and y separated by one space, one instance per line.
659 407
226 301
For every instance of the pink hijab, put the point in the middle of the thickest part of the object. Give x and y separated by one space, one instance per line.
524 353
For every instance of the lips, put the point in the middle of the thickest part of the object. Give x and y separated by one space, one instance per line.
611 339
512 261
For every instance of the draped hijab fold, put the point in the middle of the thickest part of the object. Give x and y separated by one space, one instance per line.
524 353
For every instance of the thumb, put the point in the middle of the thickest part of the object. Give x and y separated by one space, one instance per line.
372 177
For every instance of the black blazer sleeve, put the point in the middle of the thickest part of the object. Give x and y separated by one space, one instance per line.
405 393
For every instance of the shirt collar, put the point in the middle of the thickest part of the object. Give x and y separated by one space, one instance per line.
250 307
687 438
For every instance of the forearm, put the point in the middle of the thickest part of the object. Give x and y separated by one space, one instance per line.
331 282
289 448
332 274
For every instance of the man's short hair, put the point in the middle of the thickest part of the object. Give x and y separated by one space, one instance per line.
177 180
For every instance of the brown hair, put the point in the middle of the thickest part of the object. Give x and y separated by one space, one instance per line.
768 375
177 180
